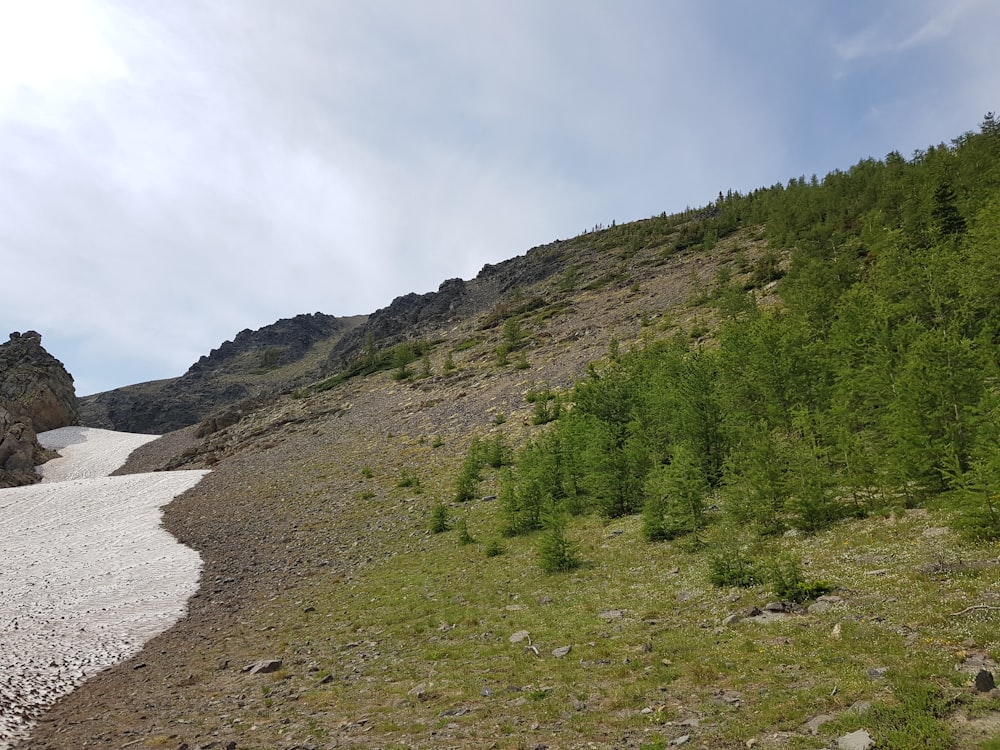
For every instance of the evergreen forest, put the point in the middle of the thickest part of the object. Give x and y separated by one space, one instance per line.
868 382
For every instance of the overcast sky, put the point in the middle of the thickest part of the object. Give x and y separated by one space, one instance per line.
174 172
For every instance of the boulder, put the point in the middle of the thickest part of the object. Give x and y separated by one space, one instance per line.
20 452
36 395
34 384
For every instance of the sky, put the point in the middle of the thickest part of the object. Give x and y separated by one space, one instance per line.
174 173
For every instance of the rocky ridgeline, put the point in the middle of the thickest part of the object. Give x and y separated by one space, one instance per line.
36 395
407 317
262 363
252 365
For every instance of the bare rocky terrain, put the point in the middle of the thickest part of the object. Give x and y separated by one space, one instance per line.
283 511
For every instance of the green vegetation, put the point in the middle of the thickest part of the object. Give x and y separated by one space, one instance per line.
372 360
494 453
873 385
439 519
829 439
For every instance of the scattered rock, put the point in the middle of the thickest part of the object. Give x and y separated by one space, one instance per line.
265 666
812 726
824 604
729 697
560 652
682 740
418 691
876 674
611 614
860 707
984 681
520 635
859 740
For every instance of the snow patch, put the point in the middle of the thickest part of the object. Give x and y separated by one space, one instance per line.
88 574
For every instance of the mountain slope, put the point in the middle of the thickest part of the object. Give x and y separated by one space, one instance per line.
254 364
315 524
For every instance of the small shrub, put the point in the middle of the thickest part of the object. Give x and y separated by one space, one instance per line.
495 453
556 553
409 480
464 537
732 568
439 518
766 269
367 472
468 478
544 414
513 334
785 576
494 548
499 418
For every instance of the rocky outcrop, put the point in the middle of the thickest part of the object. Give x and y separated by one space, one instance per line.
255 364
406 316
20 451
36 395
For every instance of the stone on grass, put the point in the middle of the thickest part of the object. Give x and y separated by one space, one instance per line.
812 726
984 681
560 652
265 666
520 635
859 740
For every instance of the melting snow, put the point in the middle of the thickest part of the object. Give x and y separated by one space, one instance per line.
87 573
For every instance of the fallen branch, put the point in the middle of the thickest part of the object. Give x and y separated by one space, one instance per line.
974 607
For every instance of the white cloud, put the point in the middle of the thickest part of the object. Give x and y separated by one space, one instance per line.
207 167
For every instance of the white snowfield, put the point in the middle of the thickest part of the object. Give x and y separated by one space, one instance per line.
87 573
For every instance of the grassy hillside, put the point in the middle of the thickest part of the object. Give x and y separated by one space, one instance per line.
824 563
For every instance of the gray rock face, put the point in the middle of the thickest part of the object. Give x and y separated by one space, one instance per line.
20 452
403 319
36 395
236 371
34 384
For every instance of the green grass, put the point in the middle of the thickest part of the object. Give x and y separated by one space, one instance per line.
441 616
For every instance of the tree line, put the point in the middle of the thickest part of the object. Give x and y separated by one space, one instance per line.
873 384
